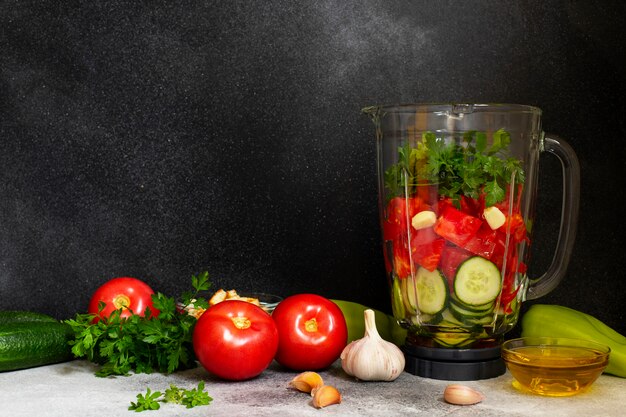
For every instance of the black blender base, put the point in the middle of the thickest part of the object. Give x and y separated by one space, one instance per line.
454 364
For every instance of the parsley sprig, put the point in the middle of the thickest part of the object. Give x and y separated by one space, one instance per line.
149 401
189 398
470 168
141 344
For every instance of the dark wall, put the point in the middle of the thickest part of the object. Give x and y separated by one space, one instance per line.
162 139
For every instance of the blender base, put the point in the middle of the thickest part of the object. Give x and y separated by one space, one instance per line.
454 364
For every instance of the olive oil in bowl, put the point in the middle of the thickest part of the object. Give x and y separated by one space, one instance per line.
554 366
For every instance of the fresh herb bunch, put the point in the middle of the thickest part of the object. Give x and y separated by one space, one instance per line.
467 169
141 344
189 398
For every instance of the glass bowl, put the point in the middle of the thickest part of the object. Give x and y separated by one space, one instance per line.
268 301
553 366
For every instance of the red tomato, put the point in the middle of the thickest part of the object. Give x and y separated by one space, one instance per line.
423 236
473 207
451 258
130 294
428 254
312 332
401 258
400 211
484 242
235 340
456 226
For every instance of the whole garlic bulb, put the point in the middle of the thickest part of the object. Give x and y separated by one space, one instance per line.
372 358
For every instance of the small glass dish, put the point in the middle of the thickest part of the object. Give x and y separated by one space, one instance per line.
268 301
552 366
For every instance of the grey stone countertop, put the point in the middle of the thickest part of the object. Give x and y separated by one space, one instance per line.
71 389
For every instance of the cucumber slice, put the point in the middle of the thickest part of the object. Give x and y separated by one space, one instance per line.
432 291
449 320
397 306
464 310
452 340
407 293
430 319
480 308
462 313
477 281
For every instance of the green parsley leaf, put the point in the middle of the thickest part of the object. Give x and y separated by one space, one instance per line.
196 396
150 401
189 398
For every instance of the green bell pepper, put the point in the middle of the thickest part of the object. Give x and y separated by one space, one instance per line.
387 325
558 321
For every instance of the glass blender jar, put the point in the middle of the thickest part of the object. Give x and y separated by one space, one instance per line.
457 193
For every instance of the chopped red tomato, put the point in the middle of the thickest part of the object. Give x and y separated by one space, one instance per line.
401 258
514 223
483 243
400 211
423 236
472 206
427 192
451 258
428 254
456 226
442 204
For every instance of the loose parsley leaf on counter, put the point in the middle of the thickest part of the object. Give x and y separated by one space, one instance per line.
141 344
189 398
150 401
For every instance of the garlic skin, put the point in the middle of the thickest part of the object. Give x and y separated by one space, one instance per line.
372 358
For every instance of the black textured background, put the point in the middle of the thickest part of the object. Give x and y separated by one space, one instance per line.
161 139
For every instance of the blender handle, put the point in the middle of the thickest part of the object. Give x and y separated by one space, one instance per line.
569 218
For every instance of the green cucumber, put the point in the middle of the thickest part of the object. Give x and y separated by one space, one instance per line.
16 316
477 281
432 292
452 340
29 344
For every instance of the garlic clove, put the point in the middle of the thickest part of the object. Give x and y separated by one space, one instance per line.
325 395
306 382
462 395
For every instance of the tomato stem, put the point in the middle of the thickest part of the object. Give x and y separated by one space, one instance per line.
121 301
241 323
311 325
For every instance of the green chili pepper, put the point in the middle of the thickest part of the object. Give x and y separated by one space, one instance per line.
387 325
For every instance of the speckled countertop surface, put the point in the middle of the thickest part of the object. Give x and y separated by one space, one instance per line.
71 389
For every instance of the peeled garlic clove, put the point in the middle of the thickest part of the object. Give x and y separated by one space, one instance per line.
462 395
306 382
325 395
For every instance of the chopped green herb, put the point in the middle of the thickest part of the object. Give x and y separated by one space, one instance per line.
467 169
